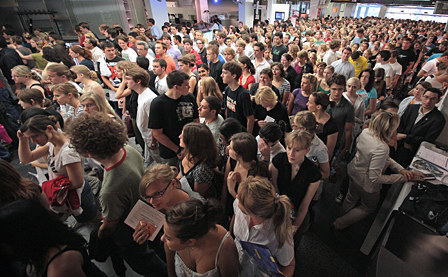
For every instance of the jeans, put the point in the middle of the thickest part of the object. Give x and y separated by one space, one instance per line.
88 204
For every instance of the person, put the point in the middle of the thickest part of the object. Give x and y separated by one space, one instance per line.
280 82
359 62
87 78
229 54
414 98
302 67
262 216
278 49
353 85
32 98
367 167
66 94
62 159
396 69
247 77
92 44
367 92
165 122
143 50
160 48
269 108
50 248
259 62
208 87
269 141
331 55
40 62
291 74
21 74
155 31
238 103
343 66
317 104
195 244
93 102
299 97
82 55
128 53
215 66
295 176
159 68
16 43
266 77
8 60
420 122
406 59
322 84
382 61
171 51
209 109
201 49
200 155
186 65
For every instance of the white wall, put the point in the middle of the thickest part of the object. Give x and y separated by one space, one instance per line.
157 10
186 12
278 8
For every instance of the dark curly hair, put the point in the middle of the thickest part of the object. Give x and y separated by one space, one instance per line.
97 134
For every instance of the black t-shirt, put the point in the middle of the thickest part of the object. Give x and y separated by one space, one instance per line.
172 115
278 113
344 112
238 104
132 104
405 57
295 189
215 73
291 77
278 51
329 128
8 59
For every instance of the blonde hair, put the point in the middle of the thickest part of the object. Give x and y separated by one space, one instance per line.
384 125
229 50
161 172
240 43
313 81
258 197
307 120
293 51
354 80
124 65
300 138
66 88
210 88
103 107
265 96
25 71
302 54
82 69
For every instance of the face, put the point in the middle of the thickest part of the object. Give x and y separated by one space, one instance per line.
158 49
197 35
336 91
276 71
312 107
429 100
187 47
296 155
39 139
131 39
405 45
204 109
54 78
232 152
285 40
228 42
33 43
110 52
17 78
355 47
211 56
119 72
284 62
130 82
306 85
240 48
157 69
365 78
229 57
183 89
173 30
200 44
89 106
61 98
352 88
226 76
277 40
141 50
25 105
202 72
267 54
158 194
167 41
265 80
320 70
122 44
345 55
418 92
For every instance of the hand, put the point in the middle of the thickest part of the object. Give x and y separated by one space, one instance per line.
142 233
417 176
342 154
261 123
265 150
21 136
401 136
409 175
232 179
153 146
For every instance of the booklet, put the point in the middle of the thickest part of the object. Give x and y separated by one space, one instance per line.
143 213
263 257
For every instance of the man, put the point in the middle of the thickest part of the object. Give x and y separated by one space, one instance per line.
318 38
382 61
406 59
154 29
259 62
171 51
8 59
248 49
108 73
188 44
240 46
143 50
128 53
221 38
331 56
430 68
278 49
215 66
364 46
343 66
16 42
91 44
358 61
202 51
137 79
174 31
161 48
209 110
104 139
438 50
159 68
286 39
111 34
170 112
373 38
396 68
238 103
177 40
291 74
359 36
102 28
420 122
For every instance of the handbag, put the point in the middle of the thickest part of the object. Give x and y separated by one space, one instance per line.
129 127
4 137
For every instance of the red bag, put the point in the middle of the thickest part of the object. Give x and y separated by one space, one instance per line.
4 137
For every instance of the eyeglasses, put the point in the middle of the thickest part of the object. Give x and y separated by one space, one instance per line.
156 195
16 76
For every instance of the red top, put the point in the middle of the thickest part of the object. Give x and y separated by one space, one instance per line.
249 80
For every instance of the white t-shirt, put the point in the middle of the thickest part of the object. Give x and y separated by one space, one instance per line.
214 128
144 103
129 55
318 151
56 163
161 85
387 68
396 69
431 67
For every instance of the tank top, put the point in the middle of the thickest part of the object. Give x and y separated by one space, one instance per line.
182 270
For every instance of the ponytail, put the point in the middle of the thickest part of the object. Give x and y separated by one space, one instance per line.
282 221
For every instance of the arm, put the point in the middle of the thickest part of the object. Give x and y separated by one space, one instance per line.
200 94
250 124
409 69
232 223
228 261
325 169
331 144
420 56
108 83
273 171
291 104
224 187
395 81
75 175
107 228
25 153
303 208
43 199
192 83
163 139
372 106
422 73
388 81
288 270
170 261
27 57
122 91
67 264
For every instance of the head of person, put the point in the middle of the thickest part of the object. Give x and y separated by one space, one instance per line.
159 66
38 127
137 77
123 41
406 44
355 55
346 53
309 83
158 185
337 83
90 42
286 60
59 73
93 102
30 97
188 221
228 128
384 125
212 53
81 72
318 101
278 70
278 36
328 71
246 63
420 89
77 51
231 71
199 144
297 146
320 67
142 48
229 54
430 98
302 56
178 80
384 56
258 50
108 49
367 78
271 133
388 106
258 199
243 146
160 48
185 64
266 77
353 85
97 135
266 97
64 93
210 107
203 70
22 73
123 66
50 55
305 120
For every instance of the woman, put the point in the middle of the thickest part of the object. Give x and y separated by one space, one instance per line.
62 159
195 244
415 98
93 102
228 128
279 81
317 104
83 55
322 85
186 65
49 248
344 42
320 67
323 49
419 52
269 106
21 74
353 85
367 168
269 141
67 94
293 50
267 55
32 98
299 97
265 215
229 54
247 78
52 57
208 87
303 65
368 92
200 157
203 70
63 54
86 77
313 60
296 177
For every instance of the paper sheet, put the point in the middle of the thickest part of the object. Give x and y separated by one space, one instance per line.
269 119
433 157
143 211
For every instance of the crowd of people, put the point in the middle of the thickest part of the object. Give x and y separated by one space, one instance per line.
234 137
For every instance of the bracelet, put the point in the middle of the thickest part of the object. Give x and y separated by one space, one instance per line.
153 145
